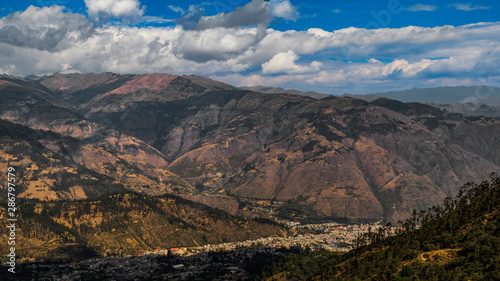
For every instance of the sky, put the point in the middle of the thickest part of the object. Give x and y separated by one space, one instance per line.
334 47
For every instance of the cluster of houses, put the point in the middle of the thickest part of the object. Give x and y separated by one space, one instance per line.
329 236
226 261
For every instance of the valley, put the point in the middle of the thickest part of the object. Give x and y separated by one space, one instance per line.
257 140
86 144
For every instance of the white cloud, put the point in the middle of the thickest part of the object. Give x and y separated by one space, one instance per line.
102 10
176 9
256 12
216 43
316 39
253 13
47 40
468 7
285 63
422 7
155 19
472 62
372 72
47 28
125 49
404 68
337 11
373 60
283 9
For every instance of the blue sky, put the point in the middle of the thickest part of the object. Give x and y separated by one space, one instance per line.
333 47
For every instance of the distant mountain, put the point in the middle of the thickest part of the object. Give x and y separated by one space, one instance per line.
473 109
368 98
255 153
486 95
462 94
474 101
278 90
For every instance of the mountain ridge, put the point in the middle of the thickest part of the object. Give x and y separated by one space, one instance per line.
302 158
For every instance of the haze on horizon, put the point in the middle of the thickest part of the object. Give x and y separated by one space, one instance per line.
335 48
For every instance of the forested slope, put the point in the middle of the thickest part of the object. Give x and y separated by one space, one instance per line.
457 240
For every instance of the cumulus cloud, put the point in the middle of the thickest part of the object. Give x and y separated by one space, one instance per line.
373 72
256 12
216 43
404 68
253 13
101 11
473 62
189 20
285 62
48 28
126 49
316 39
47 40
469 7
422 7
283 9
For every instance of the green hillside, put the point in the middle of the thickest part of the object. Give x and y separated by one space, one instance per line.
457 240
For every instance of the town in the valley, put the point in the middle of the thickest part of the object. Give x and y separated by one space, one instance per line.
239 260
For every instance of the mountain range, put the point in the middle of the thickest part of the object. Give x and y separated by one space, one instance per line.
249 153
472 100
475 100
459 94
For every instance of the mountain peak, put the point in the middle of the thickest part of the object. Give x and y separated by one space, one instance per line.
155 81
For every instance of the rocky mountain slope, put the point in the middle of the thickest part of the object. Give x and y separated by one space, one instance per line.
50 166
296 156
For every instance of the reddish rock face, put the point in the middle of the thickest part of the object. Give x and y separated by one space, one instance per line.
295 155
